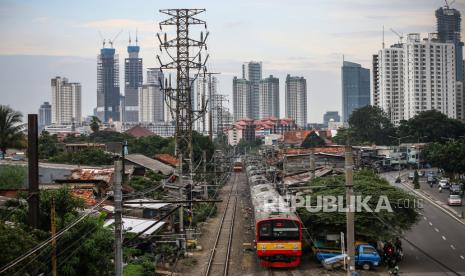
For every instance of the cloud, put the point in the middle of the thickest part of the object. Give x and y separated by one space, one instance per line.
120 23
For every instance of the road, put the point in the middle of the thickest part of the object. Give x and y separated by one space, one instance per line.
438 235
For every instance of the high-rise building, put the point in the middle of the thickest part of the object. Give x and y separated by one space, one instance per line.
241 98
296 100
151 104
416 76
155 76
448 29
269 97
331 115
252 71
206 97
355 88
45 115
132 81
108 92
388 91
66 102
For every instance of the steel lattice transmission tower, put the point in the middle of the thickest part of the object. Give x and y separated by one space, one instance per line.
185 55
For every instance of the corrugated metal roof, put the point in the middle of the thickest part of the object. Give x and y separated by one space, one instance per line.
141 204
135 225
105 175
149 163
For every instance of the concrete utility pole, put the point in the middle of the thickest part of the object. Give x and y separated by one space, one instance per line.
53 228
312 166
181 194
350 211
205 187
33 169
118 199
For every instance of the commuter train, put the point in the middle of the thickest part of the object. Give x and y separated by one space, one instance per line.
237 167
278 231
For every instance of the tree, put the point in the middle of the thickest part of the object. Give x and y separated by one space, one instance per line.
12 177
431 126
88 156
95 124
449 156
370 125
313 140
416 182
48 145
369 226
10 128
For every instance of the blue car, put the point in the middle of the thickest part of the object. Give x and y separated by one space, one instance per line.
366 256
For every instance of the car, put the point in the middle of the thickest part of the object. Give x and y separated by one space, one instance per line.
431 179
421 173
456 189
454 200
444 184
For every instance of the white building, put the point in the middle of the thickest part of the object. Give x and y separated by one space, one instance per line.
416 76
269 98
163 129
241 98
296 99
252 71
205 97
66 102
151 104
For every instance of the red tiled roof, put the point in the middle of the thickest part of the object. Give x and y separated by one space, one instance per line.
138 131
85 194
298 136
167 159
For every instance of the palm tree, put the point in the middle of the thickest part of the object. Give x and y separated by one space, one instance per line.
10 128
95 124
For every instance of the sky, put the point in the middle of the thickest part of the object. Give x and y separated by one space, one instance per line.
44 39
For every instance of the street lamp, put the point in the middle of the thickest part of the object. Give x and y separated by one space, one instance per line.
398 154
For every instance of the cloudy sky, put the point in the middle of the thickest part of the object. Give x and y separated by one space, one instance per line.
43 39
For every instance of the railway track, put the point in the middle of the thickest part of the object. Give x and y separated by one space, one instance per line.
218 263
272 272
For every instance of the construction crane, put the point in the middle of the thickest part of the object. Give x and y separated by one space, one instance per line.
449 4
401 36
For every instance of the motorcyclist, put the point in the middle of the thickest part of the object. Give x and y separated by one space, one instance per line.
398 244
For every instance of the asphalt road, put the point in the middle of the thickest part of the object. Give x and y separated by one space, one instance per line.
437 237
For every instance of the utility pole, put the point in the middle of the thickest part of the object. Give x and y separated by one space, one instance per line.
181 194
205 187
312 166
350 211
179 50
53 228
118 199
33 169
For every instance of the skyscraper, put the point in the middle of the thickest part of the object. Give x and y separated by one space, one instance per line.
252 71
296 100
241 98
269 98
151 104
448 29
66 102
355 88
155 76
417 76
132 81
45 115
108 92
205 95
331 115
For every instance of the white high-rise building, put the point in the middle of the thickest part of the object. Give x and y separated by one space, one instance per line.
205 96
66 102
151 104
416 76
296 100
269 98
252 71
241 98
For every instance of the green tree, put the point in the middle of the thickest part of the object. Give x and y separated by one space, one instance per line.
431 126
95 124
89 156
10 129
416 180
370 125
313 140
369 226
48 145
449 156
12 176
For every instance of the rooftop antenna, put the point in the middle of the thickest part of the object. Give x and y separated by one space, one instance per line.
137 40
401 36
383 36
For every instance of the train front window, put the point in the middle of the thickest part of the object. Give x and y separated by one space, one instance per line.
282 230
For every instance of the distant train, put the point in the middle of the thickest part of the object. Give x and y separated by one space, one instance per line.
278 231
237 167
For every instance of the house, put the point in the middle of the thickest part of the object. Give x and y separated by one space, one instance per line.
139 131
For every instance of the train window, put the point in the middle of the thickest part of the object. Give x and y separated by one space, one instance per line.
285 230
